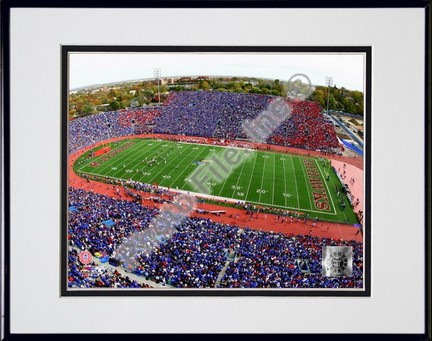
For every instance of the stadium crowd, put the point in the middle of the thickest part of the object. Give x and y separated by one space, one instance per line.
138 116
193 257
208 114
305 129
88 130
197 252
269 260
94 276
87 213
221 114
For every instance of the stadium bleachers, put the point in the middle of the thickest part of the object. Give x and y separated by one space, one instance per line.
198 251
83 276
208 114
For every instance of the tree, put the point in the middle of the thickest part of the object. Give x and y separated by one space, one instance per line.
87 109
205 86
114 105
319 96
148 93
357 96
141 99
72 112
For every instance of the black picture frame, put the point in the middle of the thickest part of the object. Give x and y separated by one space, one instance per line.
6 6
367 50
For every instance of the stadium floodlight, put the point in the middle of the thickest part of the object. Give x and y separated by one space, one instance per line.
329 83
157 74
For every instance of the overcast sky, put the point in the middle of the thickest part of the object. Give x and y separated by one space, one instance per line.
87 69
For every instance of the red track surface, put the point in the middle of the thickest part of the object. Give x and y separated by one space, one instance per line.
261 221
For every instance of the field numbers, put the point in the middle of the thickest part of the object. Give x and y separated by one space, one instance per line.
240 194
236 187
286 195
166 176
261 191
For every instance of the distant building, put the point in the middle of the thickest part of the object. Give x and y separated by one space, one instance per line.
185 79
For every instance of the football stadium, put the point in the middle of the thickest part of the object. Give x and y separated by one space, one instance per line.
259 222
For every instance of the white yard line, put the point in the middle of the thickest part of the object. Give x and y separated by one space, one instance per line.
253 168
262 179
226 178
295 181
239 177
274 177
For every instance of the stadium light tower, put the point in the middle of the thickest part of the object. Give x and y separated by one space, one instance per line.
329 82
157 74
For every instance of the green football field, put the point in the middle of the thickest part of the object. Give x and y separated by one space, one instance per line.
300 183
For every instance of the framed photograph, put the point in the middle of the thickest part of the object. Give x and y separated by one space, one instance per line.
215 178
262 164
